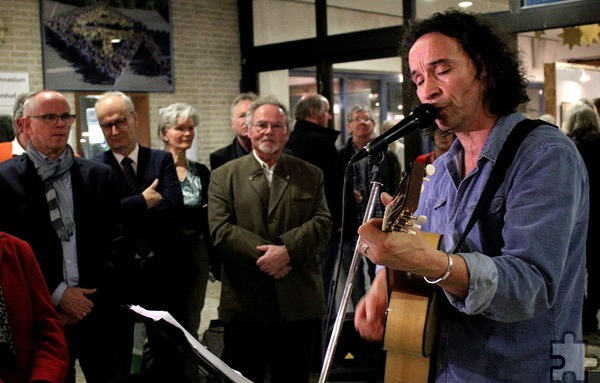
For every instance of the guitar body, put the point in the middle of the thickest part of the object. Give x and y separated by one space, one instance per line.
401 366
410 328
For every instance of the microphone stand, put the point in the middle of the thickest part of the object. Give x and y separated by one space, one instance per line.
337 326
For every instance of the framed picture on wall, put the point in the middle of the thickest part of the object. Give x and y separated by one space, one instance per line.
100 45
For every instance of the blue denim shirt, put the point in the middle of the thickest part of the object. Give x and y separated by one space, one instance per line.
526 260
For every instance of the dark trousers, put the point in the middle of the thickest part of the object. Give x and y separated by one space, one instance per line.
151 289
359 288
328 258
283 349
92 342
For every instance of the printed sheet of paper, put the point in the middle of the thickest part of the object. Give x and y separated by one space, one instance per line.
202 352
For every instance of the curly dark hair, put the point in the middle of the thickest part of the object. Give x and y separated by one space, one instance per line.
497 64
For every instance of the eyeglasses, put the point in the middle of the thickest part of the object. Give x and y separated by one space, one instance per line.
443 133
263 126
120 123
362 119
52 119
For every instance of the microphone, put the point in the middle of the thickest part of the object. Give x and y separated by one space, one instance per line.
421 117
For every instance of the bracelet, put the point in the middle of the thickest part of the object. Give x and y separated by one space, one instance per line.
450 264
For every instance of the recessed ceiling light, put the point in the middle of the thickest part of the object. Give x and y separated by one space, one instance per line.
465 4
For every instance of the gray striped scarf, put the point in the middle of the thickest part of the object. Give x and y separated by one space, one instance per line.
54 175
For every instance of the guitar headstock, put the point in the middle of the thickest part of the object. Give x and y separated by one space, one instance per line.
406 199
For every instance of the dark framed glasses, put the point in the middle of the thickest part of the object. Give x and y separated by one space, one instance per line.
52 119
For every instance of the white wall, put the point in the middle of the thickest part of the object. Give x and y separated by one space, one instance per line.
570 88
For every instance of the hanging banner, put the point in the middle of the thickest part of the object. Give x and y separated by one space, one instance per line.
12 84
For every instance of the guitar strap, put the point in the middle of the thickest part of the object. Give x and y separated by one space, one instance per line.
505 158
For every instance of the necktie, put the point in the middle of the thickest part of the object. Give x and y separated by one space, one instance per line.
129 174
141 247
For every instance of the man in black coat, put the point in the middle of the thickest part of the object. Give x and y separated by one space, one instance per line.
241 145
65 207
313 141
150 204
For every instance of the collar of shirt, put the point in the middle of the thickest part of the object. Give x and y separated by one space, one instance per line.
133 155
268 171
17 149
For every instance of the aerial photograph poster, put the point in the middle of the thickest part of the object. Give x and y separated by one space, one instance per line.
107 45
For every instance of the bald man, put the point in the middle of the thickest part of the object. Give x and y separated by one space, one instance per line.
65 208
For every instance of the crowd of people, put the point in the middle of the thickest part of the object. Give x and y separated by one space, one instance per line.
278 217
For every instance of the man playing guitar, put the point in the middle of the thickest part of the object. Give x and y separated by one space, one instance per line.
513 291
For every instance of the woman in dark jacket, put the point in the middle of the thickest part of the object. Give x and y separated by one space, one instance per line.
583 127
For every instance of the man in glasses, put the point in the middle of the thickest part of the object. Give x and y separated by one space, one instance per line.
442 141
361 128
269 219
66 207
150 204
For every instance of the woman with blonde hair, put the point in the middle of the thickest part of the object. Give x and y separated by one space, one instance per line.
176 128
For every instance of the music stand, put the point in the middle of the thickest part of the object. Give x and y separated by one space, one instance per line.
182 340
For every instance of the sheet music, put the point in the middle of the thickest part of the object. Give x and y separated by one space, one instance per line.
203 352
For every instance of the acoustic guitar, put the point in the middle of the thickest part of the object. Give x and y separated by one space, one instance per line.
410 328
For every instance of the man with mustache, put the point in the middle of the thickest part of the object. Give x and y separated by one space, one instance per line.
268 216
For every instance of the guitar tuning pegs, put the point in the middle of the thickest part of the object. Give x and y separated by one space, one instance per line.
421 219
429 171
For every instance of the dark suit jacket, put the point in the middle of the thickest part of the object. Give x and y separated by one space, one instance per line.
159 226
226 154
25 215
196 217
316 144
243 216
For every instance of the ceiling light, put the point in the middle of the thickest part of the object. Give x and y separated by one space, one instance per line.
465 4
584 76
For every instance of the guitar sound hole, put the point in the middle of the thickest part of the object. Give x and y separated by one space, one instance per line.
409 282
